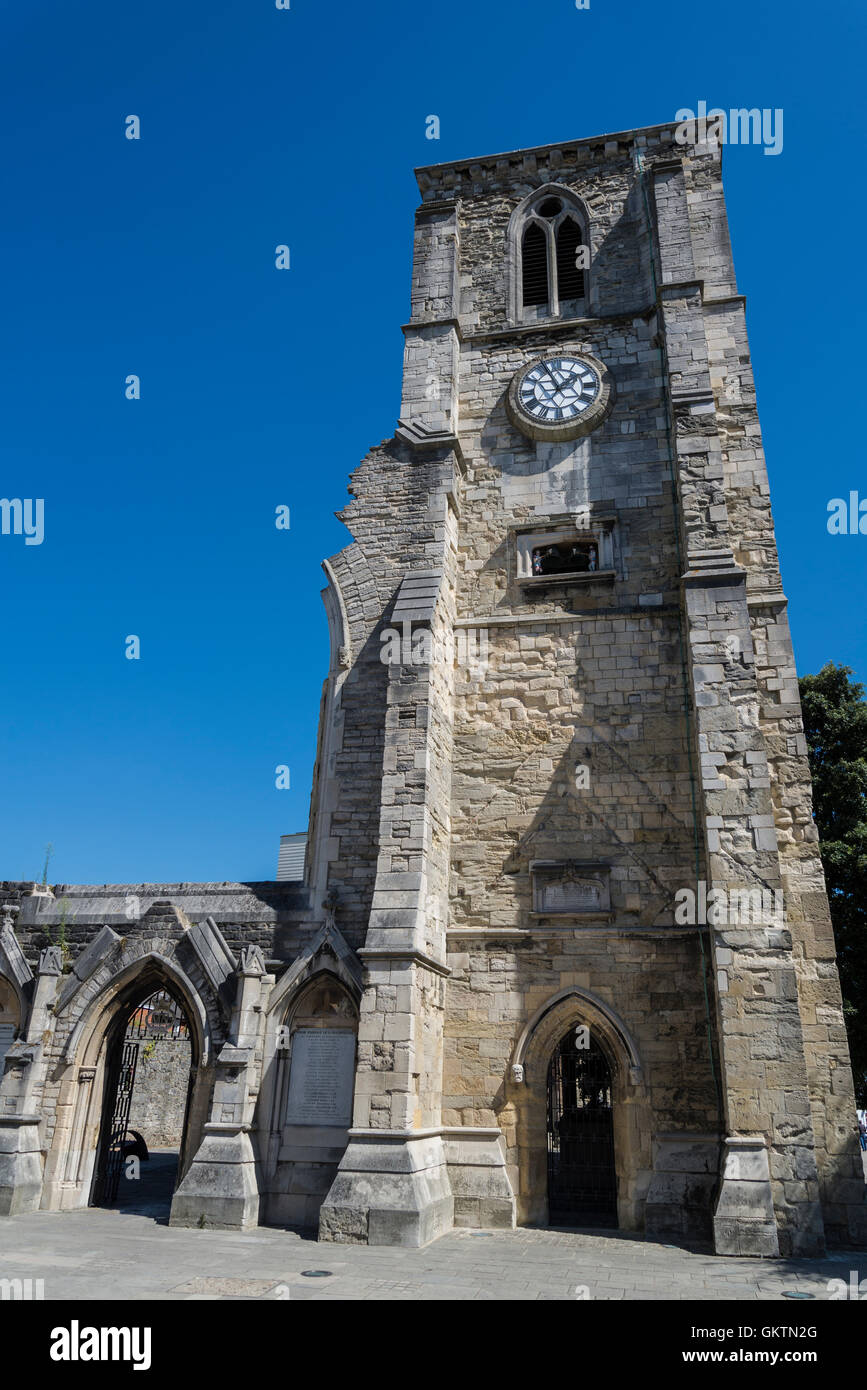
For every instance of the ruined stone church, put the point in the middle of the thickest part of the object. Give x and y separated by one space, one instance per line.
561 704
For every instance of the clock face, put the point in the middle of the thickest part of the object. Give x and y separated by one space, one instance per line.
558 388
560 396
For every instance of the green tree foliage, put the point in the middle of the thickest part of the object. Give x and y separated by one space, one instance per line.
835 723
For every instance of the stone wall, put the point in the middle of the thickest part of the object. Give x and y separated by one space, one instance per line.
692 750
274 916
159 1098
644 720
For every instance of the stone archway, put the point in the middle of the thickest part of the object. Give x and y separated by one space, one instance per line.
84 1065
10 1016
150 1075
310 1095
630 1108
582 1173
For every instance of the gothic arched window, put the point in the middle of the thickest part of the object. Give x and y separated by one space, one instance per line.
534 265
549 257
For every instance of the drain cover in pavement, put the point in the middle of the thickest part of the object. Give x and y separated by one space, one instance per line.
796 1293
226 1288
316 1274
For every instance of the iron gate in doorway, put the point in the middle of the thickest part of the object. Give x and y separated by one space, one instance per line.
582 1183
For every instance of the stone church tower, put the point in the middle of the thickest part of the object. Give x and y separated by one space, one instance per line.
575 506
563 952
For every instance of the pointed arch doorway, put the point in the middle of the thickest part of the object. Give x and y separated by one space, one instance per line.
149 1078
582 1180
10 1016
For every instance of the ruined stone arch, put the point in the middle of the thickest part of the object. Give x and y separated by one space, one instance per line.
283 1012
327 952
10 1015
339 633
93 1016
10 1001
324 792
326 957
631 1110
322 989
84 1026
13 1005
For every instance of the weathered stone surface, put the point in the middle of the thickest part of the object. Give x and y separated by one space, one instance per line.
519 773
396 1191
219 1190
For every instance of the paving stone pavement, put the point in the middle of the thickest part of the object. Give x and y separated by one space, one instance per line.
93 1254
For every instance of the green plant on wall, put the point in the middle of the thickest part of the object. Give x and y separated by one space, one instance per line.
61 937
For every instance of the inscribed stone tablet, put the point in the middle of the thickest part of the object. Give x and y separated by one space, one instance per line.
572 895
321 1077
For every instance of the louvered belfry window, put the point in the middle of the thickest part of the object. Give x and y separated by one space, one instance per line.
570 280
535 265
550 275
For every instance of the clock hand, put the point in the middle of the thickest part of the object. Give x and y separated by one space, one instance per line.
569 383
552 375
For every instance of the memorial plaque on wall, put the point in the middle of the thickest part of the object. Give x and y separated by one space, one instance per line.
569 890
321 1077
572 895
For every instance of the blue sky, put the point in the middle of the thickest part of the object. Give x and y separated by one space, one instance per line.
156 257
